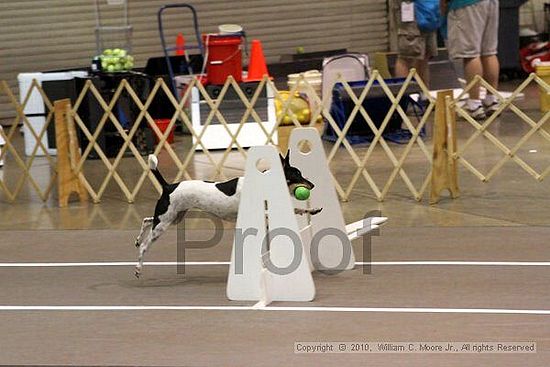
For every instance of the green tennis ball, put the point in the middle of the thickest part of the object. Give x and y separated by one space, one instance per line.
302 193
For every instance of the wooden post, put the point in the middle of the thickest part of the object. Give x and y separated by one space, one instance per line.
68 154
444 167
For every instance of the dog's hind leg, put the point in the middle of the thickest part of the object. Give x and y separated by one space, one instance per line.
312 211
180 217
145 226
153 236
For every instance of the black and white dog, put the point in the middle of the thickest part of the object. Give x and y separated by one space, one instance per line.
218 198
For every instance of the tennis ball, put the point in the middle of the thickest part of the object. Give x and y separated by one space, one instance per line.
301 193
287 120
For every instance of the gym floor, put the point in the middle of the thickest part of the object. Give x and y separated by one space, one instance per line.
473 269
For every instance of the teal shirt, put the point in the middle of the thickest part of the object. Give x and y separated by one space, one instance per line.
456 4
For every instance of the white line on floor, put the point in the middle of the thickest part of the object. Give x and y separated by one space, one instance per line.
459 263
211 263
282 308
110 263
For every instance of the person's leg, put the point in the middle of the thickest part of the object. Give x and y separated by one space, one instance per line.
402 67
491 69
473 67
410 47
430 51
489 59
423 71
425 47
466 28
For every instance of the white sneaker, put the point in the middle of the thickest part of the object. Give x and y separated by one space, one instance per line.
491 108
477 114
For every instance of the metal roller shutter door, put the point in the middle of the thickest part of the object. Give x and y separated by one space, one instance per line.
39 35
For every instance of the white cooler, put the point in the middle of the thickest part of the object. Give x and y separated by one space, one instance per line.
35 110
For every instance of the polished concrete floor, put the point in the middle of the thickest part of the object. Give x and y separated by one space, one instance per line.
235 334
505 220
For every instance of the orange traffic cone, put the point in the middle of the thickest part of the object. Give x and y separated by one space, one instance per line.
257 67
180 45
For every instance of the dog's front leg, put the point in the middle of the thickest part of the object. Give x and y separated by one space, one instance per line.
153 236
142 250
145 226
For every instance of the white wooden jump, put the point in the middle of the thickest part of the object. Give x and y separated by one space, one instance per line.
257 270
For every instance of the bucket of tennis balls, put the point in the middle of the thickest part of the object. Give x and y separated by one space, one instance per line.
298 108
116 60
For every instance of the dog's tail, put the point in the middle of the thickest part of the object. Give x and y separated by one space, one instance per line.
153 163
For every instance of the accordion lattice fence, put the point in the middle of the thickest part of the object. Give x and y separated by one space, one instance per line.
360 159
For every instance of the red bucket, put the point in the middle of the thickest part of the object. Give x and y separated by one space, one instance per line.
224 57
163 126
